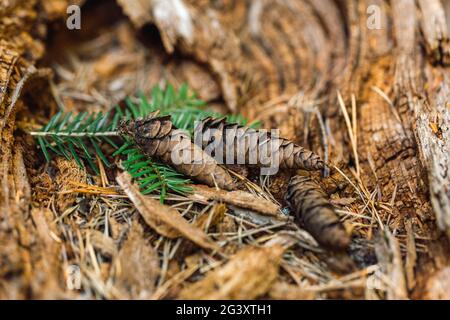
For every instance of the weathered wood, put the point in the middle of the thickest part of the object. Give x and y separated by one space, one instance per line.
29 259
282 62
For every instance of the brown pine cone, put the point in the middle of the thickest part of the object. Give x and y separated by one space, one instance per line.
236 138
158 138
315 212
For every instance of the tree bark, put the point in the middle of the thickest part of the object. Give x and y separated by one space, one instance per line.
286 63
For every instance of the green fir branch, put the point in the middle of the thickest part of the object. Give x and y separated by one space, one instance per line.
150 176
84 135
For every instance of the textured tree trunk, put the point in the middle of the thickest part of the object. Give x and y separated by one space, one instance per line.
363 83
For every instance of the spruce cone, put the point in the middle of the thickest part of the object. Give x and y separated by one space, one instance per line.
235 137
158 138
312 208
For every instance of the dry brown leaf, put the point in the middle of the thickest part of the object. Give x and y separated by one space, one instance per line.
248 274
237 198
389 257
102 242
215 215
438 286
285 291
228 225
176 280
161 217
137 265
44 229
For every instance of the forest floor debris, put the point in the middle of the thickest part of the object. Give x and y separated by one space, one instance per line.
372 103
